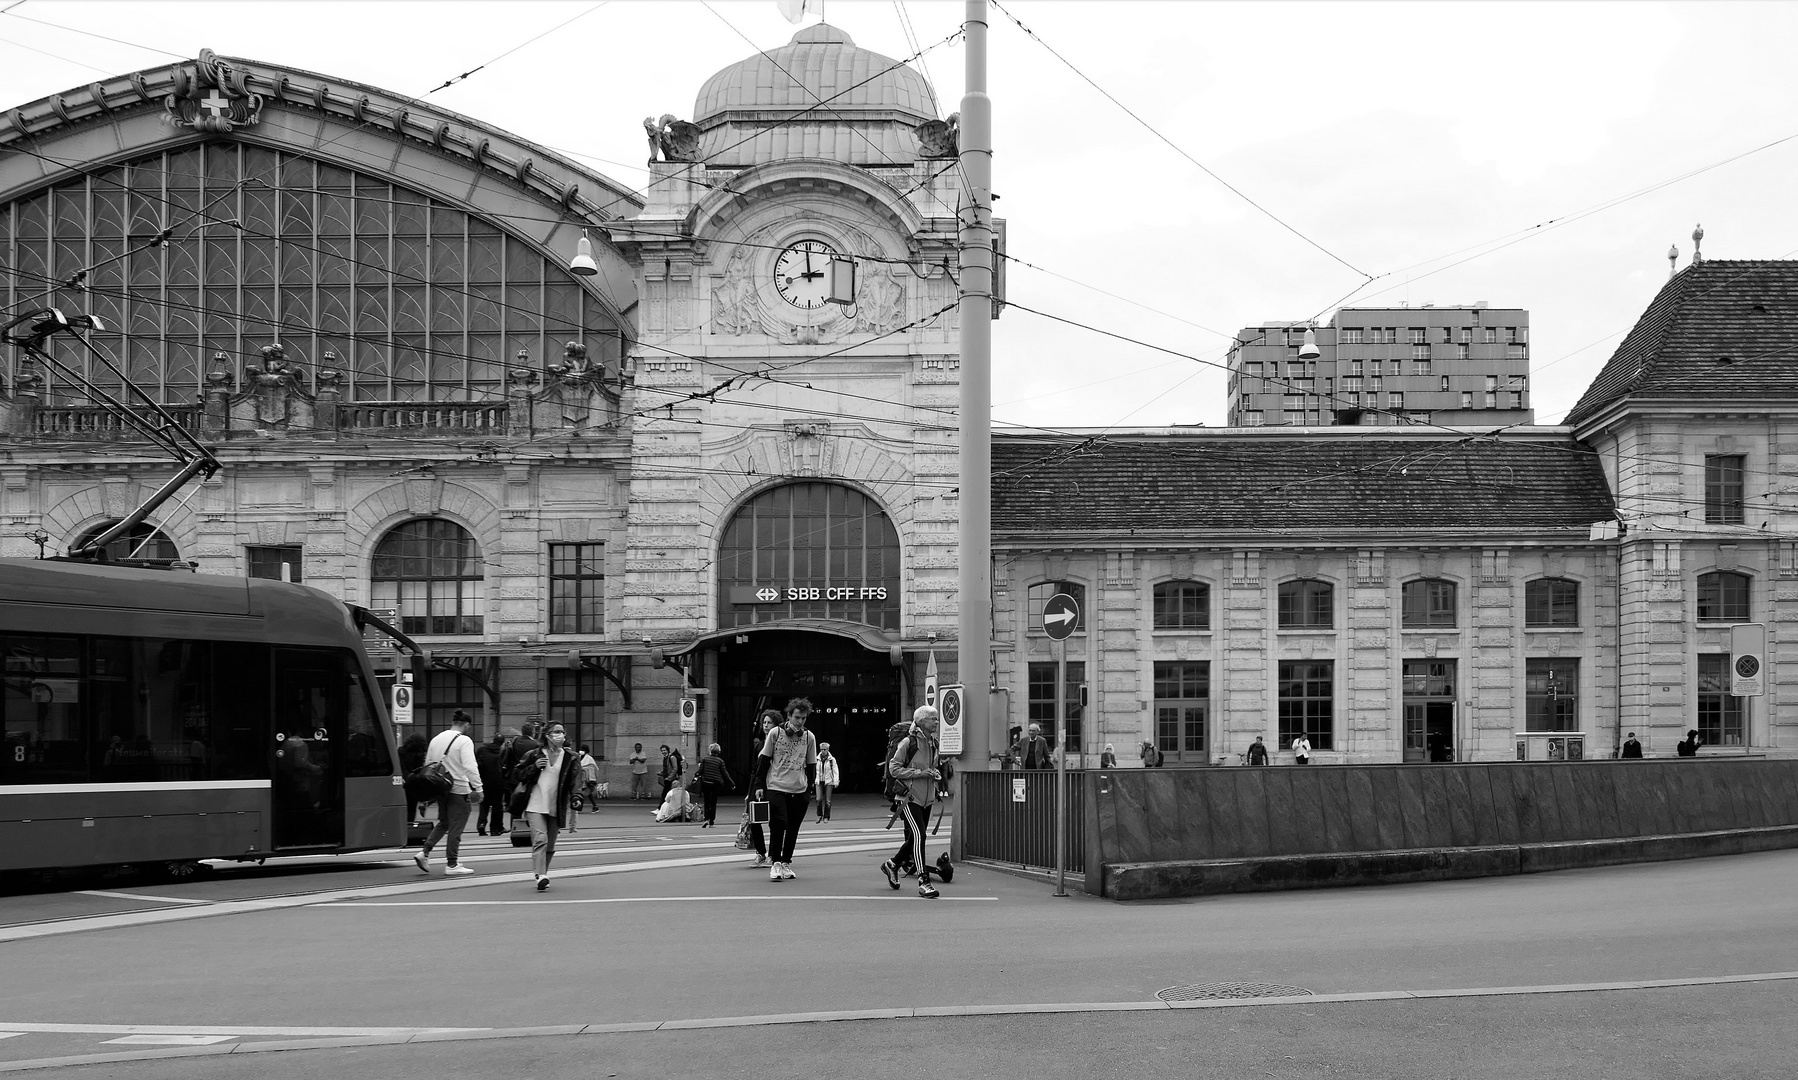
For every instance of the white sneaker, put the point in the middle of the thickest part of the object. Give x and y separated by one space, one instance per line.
786 871
457 871
423 862
760 860
774 873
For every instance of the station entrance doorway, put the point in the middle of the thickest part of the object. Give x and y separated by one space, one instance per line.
1429 703
854 693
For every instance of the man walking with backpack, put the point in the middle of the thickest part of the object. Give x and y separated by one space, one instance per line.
914 767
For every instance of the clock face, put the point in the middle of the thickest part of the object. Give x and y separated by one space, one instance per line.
802 274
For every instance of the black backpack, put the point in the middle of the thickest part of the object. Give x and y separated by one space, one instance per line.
895 787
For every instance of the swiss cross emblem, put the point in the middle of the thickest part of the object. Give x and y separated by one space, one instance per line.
212 95
767 595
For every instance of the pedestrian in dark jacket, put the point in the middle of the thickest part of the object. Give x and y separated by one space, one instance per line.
1632 748
492 818
714 780
1036 750
1689 748
554 772
412 759
764 724
517 749
1258 752
671 769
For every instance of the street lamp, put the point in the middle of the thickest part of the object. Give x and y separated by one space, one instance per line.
582 265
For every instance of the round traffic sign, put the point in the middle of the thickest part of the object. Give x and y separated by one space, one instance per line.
1060 615
1748 666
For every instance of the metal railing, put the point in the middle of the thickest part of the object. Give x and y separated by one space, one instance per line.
993 825
102 422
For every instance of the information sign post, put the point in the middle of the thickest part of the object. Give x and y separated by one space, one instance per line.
1061 614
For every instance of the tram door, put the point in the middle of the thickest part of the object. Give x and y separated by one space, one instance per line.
308 736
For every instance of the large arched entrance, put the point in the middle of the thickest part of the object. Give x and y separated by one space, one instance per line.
855 695
809 572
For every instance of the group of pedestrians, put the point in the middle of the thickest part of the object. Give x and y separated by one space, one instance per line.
532 776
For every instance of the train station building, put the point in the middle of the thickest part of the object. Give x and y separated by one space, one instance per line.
599 451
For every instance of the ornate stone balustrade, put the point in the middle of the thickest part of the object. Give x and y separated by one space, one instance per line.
101 422
483 417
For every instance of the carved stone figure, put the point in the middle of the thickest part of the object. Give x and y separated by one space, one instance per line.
574 372
273 385
939 138
734 306
676 140
212 96
880 305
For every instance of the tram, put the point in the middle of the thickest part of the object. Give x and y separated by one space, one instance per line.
156 718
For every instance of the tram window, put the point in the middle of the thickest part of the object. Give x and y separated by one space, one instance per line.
366 747
40 707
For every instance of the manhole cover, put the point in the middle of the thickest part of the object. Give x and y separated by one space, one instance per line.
1219 990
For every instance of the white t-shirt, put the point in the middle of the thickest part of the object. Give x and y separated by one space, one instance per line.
1301 746
543 793
789 756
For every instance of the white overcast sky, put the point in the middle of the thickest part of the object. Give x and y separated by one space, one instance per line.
1402 137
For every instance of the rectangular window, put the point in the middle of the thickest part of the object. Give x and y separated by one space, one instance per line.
1354 367
1489 336
279 563
577 588
1042 700
1551 694
1418 336
1720 713
1253 419
1515 352
1307 703
1466 399
1348 337
439 695
1492 384
1351 383
1511 336
1395 402
1252 368
1374 383
1723 489
1182 605
1293 403
1182 702
1421 366
1723 597
577 701
1463 351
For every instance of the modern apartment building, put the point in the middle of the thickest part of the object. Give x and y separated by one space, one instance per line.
1463 365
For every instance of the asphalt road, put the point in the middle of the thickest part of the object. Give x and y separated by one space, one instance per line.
656 924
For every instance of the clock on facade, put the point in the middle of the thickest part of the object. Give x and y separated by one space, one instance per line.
802 274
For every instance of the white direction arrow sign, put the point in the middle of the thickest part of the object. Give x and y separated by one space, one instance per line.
1060 615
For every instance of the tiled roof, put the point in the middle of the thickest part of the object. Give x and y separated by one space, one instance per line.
1724 330
1228 481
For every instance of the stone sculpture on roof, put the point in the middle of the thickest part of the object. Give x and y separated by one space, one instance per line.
939 138
212 96
676 140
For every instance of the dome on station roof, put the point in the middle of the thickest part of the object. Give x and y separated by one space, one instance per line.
821 63
817 96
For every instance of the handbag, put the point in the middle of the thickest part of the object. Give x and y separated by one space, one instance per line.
519 800
743 841
433 779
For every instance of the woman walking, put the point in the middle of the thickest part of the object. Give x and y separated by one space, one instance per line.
784 774
829 776
714 780
764 723
555 774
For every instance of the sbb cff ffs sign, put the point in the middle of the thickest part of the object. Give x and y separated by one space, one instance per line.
769 594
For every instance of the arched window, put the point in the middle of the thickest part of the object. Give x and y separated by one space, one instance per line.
1723 597
430 572
1307 605
1039 595
1428 603
809 551
1182 605
142 541
417 298
1551 602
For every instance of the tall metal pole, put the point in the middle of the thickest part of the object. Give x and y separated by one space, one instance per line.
1061 768
974 625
